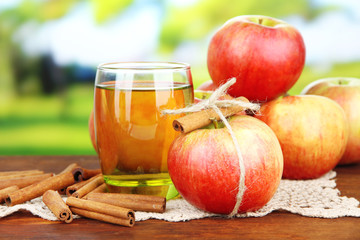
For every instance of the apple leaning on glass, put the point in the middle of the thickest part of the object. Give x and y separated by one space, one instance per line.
204 91
266 55
204 166
312 130
346 92
207 86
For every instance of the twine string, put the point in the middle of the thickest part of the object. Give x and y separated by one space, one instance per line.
213 100
214 103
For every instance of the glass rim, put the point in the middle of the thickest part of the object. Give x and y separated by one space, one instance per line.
143 66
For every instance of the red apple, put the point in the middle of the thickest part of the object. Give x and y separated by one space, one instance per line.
204 91
312 131
197 100
204 166
207 86
346 92
266 55
91 128
201 95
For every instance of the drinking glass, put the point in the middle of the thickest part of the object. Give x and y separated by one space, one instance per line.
132 134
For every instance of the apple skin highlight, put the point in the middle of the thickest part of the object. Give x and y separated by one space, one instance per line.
204 166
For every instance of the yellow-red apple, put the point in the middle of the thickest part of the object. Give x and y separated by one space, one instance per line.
312 131
346 92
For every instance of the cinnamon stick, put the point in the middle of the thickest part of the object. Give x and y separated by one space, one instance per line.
70 168
89 173
17 176
137 202
4 192
24 181
79 175
76 186
84 173
88 187
200 119
14 174
62 191
100 189
102 211
37 189
100 207
103 217
54 202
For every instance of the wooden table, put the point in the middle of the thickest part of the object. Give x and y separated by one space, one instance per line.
277 225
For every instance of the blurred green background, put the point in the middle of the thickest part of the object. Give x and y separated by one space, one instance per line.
49 50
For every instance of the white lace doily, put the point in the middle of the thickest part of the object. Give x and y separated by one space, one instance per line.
311 198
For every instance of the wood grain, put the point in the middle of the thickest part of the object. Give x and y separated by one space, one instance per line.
277 225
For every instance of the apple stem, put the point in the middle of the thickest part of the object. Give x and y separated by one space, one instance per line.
260 20
341 82
250 112
215 123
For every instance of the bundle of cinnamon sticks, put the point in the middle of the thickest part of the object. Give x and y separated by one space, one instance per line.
86 191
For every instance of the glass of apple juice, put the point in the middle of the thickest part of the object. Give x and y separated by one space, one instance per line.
132 135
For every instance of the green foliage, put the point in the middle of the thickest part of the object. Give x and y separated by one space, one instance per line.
58 124
311 73
198 20
12 58
308 75
104 10
48 125
55 9
43 136
37 10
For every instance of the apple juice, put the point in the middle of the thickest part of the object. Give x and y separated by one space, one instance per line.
133 136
